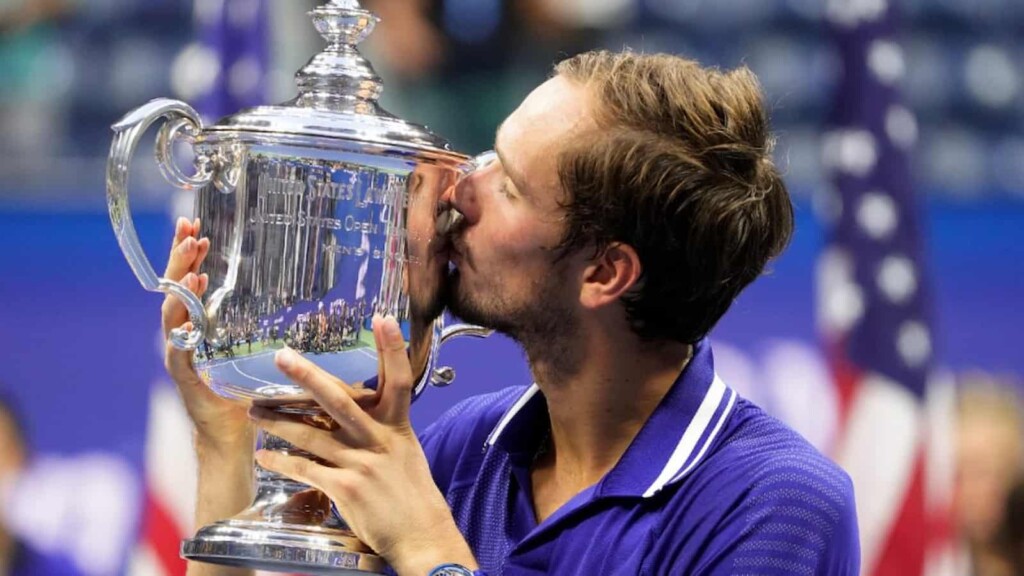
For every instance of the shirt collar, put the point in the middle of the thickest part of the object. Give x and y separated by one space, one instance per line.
669 446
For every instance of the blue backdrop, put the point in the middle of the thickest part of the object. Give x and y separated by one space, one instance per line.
79 336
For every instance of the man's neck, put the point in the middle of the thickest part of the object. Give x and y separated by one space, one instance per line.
597 409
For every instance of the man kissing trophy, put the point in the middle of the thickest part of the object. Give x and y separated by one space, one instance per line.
320 212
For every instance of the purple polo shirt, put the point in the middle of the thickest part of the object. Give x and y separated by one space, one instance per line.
710 485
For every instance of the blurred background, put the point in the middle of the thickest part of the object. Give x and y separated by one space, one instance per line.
900 129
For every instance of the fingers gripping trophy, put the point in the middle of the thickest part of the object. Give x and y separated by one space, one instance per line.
316 215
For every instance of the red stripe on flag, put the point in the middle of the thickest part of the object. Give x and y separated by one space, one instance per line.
904 551
163 537
846 377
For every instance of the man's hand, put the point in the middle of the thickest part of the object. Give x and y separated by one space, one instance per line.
378 475
218 421
224 437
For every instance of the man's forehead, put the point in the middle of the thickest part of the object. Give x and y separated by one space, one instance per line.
554 111
531 137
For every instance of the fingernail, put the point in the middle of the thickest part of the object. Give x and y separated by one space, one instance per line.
189 279
186 245
286 358
391 329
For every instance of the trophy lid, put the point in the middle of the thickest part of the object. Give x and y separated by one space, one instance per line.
338 91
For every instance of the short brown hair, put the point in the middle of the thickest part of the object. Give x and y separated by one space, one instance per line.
680 169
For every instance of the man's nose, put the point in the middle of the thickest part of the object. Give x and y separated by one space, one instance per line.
463 197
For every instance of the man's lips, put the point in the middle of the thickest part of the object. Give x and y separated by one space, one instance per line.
456 254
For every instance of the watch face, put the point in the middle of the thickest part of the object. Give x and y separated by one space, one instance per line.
451 570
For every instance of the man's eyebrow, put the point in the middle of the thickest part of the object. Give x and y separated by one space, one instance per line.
512 173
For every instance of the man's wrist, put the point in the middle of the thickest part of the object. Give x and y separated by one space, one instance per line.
214 444
422 560
426 564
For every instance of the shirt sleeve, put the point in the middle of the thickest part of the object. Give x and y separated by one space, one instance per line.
797 519
787 537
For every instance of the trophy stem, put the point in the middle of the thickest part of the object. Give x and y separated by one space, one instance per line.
290 527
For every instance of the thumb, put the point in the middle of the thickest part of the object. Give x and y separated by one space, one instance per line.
396 395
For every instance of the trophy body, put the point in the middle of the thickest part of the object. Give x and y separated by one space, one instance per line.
307 241
321 212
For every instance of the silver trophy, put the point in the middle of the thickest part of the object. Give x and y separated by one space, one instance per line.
321 212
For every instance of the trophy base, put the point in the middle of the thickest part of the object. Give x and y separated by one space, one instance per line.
283 548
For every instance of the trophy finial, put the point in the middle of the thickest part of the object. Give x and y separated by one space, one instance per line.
343 22
339 78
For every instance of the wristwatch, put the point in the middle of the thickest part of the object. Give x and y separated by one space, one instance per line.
452 570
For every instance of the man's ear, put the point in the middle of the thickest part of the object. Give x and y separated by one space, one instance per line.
610 275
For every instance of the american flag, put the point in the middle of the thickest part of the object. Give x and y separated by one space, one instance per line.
230 57
895 414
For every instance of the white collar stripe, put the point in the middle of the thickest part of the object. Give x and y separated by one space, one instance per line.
530 393
698 425
711 437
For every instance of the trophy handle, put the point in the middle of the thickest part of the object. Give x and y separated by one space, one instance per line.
444 375
433 375
127 133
